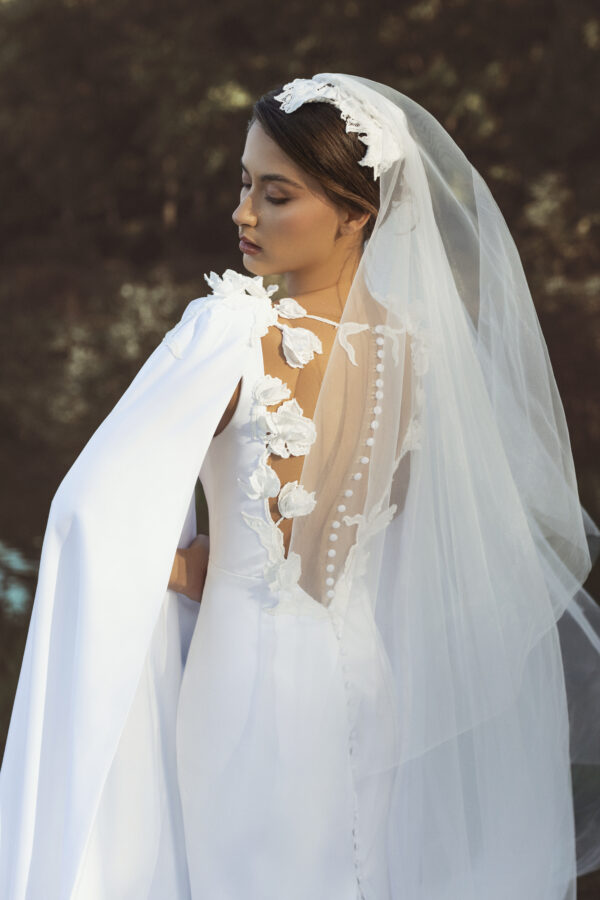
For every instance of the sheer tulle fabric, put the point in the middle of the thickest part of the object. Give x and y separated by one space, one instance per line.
470 704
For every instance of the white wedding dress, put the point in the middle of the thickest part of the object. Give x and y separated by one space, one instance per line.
246 748
258 797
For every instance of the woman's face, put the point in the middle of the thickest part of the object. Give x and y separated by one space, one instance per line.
283 210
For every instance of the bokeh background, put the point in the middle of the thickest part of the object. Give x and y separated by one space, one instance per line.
122 123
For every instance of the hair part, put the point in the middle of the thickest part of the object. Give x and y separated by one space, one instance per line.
314 136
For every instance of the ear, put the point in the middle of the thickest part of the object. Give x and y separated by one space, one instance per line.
352 221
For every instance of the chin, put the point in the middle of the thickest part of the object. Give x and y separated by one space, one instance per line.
249 263
256 267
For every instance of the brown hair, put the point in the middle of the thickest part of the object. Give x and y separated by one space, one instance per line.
314 136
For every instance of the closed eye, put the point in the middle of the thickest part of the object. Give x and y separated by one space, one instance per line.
276 200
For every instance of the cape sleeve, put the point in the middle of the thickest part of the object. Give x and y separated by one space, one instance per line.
113 528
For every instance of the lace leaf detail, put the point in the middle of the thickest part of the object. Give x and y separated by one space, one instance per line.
343 332
271 537
368 525
412 439
372 522
384 145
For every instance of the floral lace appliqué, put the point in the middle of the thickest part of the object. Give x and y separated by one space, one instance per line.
384 146
233 290
286 432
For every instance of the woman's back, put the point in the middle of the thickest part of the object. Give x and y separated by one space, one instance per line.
271 411
273 767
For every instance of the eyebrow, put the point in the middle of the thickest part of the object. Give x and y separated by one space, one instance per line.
274 177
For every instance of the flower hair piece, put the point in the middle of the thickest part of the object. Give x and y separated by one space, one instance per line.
384 147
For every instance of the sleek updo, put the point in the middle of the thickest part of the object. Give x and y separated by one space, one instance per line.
314 136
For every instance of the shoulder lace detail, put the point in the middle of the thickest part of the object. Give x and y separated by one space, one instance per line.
234 291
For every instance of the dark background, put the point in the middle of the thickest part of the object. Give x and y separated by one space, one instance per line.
122 123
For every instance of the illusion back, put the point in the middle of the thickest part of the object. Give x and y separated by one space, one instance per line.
304 384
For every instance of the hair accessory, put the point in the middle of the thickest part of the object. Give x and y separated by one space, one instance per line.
384 147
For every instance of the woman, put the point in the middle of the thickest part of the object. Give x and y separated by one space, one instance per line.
370 699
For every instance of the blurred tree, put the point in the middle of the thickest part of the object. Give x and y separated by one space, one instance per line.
122 121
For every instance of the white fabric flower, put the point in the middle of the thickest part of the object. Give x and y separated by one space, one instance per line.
286 432
294 500
236 289
299 345
384 145
263 482
233 282
268 390
290 308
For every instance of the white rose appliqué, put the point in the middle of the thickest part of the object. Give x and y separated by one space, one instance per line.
290 308
294 500
268 390
263 482
299 345
286 432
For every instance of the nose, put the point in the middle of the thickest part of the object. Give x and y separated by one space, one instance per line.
244 214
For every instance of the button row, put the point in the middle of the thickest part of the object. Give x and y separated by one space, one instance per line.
364 460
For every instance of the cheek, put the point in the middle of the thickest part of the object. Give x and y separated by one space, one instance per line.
307 227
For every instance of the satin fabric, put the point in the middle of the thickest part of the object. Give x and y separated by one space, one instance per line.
105 636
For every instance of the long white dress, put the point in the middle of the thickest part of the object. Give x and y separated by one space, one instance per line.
232 774
267 794
163 749
260 797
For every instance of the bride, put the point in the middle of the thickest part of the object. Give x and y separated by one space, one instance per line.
375 678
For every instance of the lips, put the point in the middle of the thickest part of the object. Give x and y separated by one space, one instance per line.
250 243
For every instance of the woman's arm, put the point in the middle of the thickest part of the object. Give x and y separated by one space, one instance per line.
189 568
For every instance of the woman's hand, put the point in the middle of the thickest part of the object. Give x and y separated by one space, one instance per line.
189 568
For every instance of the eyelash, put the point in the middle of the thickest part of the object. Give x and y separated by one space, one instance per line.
277 202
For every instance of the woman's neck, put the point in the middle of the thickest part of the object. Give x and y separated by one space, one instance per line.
323 293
